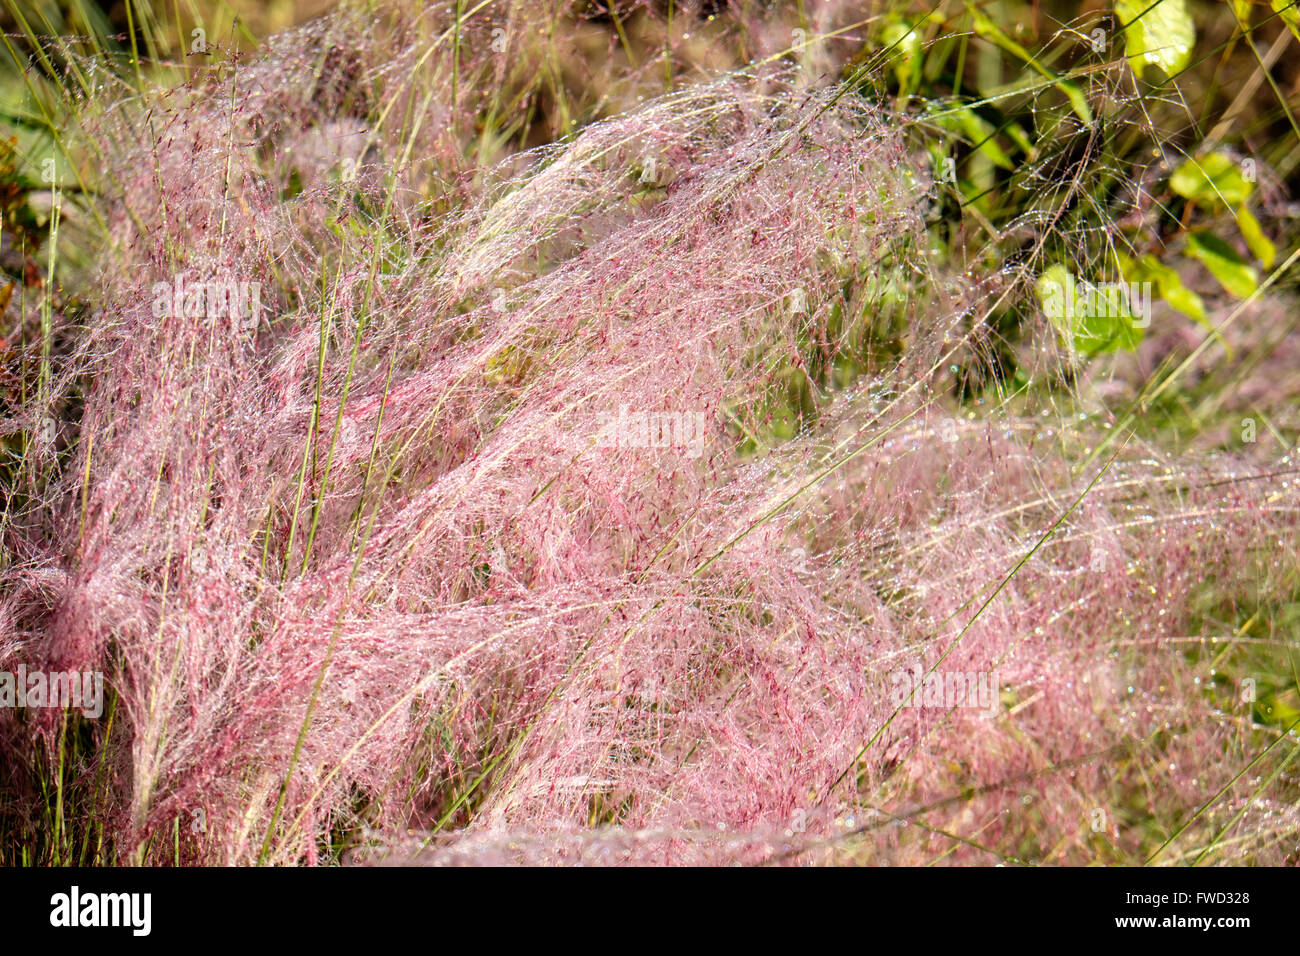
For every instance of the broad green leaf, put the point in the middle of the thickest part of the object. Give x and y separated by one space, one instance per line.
1184 300
1225 265
1289 13
903 41
1094 319
1169 286
1213 178
1103 320
1259 243
1158 33
1055 289
1276 709
1241 10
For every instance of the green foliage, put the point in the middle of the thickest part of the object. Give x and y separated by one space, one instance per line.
1214 178
1290 14
1026 123
901 39
1091 318
1253 233
989 30
1158 33
1167 285
1237 277
1217 182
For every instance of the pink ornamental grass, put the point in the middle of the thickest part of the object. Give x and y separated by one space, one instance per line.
379 570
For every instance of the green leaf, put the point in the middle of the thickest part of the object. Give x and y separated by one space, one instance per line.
904 43
1104 322
1289 13
1157 33
1225 265
1259 243
1094 319
1275 709
1169 286
1214 179
1055 289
